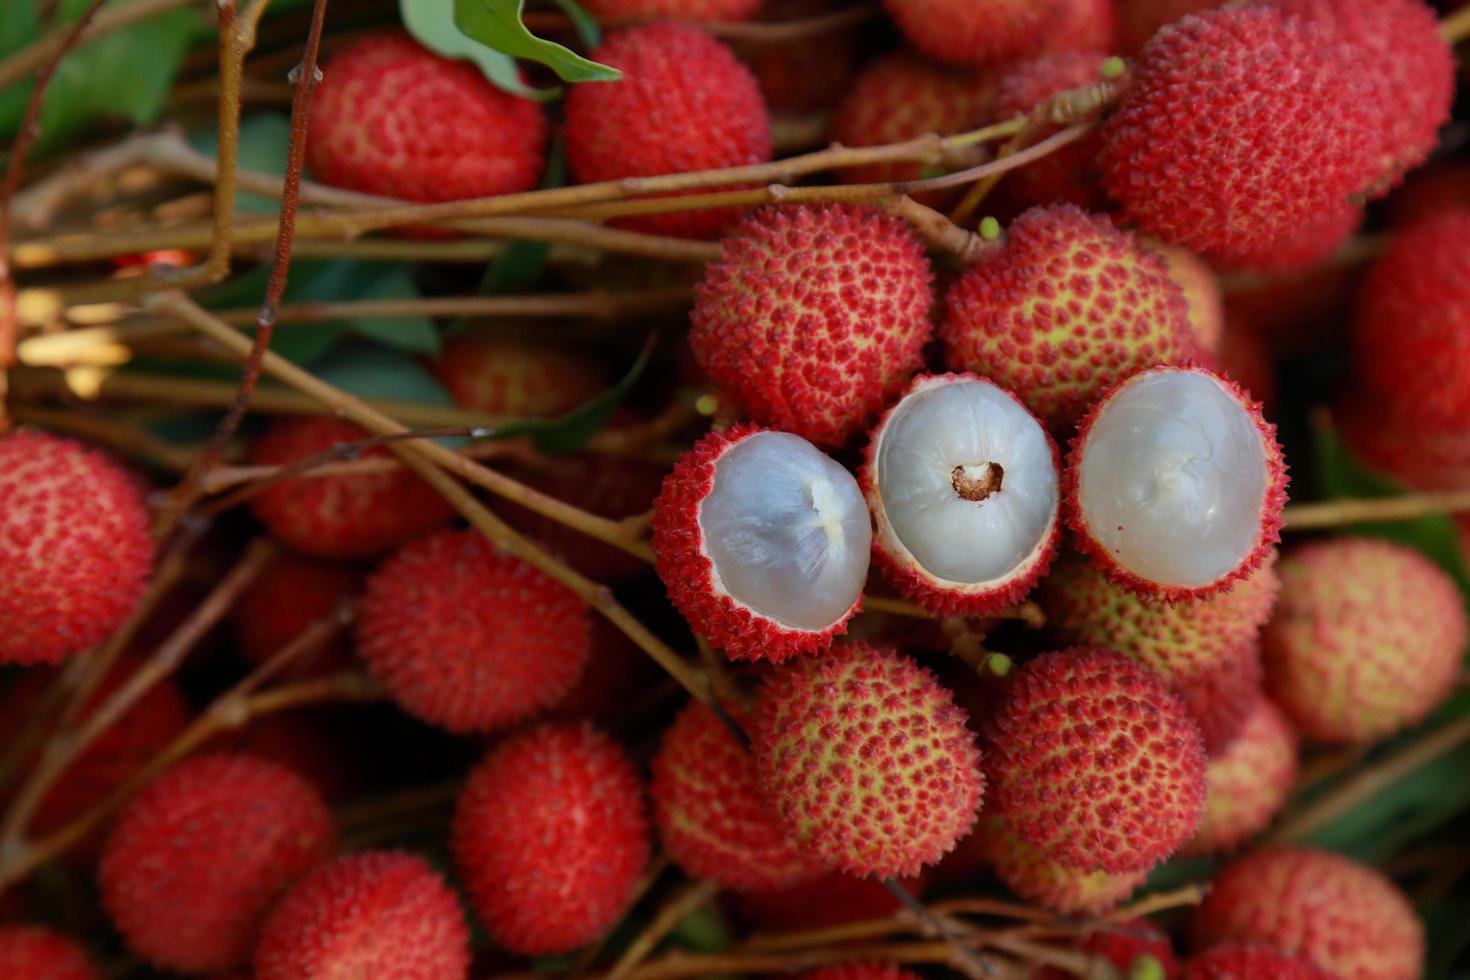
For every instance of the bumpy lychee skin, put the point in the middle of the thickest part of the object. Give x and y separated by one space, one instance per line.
621 11
1392 439
1201 294
1366 640
1248 783
963 485
964 33
1068 307
1238 961
1306 246
1124 945
831 899
374 914
470 638
550 838
860 971
1345 916
38 953
709 109
763 543
392 118
198 857
1039 879
710 813
1238 128
75 552
514 379
1221 697
354 515
1130 788
1083 25
783 326
290 594
1175 484
1069 175
867 760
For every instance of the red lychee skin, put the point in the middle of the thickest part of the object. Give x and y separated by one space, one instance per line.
710 813
1306 246
783 326
196 860
38 953
1411 325
618 674
317 745
1248 783
1388 438
801 74
75 551
550 838
1347 917
709 111
1083 25
1068 307
1238 129
864 970
1429 191
467 637
1234 961
1201 294
832 899
354 515
1272 502
1129 788
1366 640
1122 945
964 33
1245 354
940 596
392 118
688 572
867 760
623 11
1042 881
512 379
1221 697
1070 175
1139 20
374 914
290 594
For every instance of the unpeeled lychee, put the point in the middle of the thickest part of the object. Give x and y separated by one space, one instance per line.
620 11
38 953
965 33
1237 961
289 595
830 899
1037 878
1248 783
516 379
1070 174
805 73
1082 25
1126 945
1202 295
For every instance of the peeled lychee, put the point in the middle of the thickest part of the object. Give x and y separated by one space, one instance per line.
1235 961
1175 484
75 551
37 953
966 33
515 379
1039 879
762 542
1248 782
867 760
468 637
1069 306
288 595
963 486
1069 175
550 838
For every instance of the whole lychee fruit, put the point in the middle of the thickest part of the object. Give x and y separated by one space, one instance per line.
963 485
867 760
373 914
288 595
966 33
1248 782
783 326
1235 961
806 73
468 637
1439 186
37 953
550 838
197 858
1069 175
1036 878
762 542
1068 307
1222 696
1124 945
1306 246
622 11
516 379
1082 25
1393 440
75 551
1202 294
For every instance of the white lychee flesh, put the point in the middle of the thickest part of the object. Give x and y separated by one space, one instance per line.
788 531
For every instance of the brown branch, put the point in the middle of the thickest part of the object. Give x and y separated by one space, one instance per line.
683 905
1337 513
1456 27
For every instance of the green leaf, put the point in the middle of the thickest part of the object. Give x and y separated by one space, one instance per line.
264 140
497 23
570 433
588 32
373 372
704 931
431 22
415 334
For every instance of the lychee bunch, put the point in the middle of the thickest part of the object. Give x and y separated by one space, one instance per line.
783 325
966 33
1037 878
867 761
1068 307
468 637
708 108
762 542
1070 175
550 837
30 952
288 595
1367 638
196 859
75 551
1248 783
1096 763
1345 916
373 914
711 816
515 379
1236 961
392 118
963 485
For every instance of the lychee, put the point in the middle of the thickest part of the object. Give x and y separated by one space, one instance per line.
1125 945
963 486
1248 782
1139 20
288 595
197 858
762 542
1069 175
468 637
1246 354
373 914
1082 25
1306 246
75 551
1069 306
1390 438
392 118
1235 961
708 108
30 952
618 674
1366 639
1202 296
782 324
516 379
965 33
1175 483
830 899
803 74
1220 697
1034 877
867 760
1439 186
1347 917
550 838
1128 789
622 11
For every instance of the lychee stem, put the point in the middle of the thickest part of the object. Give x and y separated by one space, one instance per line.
688 901
970 962
1346 511
1456 27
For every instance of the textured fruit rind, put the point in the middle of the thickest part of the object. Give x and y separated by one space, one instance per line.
1124 944
1037 878
1235 961
963 32
38 953
512 379
1248 783
1070 175
621 11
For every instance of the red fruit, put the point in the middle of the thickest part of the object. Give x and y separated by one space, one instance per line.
392 118
802 74
781 324
355 515
75 551
1083 25
1220 698
622 11
1139 20
860 971
513 379
1248 783
1440 186
1245 354
550 838
1070 175
1389 438
290 594
618 676
1042 881
709 114
38 953
467 637
1232 961
1123 945
962 32
374 914
1201 294
197 858
832 899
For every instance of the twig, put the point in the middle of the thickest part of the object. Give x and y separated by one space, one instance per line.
1159 902
1456 27
1337 513
966 959
688 901
941 232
